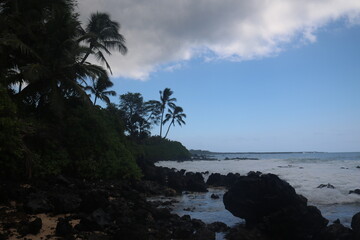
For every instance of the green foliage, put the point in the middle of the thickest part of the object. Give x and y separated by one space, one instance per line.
157 148
95 146
11 144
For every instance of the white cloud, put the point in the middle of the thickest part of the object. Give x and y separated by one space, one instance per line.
159 32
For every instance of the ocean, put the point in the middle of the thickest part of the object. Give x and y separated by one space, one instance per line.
304 171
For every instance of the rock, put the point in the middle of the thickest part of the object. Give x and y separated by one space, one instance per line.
337 221
355 223
214 196
219 180
357 166
65 202
356 191
93 200
336 231
195 182
37 203
218 227
240 232
204 234
63 228
102 218
254 196
267 201
326 186
32 227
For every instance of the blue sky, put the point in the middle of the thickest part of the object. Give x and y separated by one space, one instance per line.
300 92
306 98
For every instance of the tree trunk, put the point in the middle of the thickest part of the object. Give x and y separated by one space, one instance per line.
161 123
20 87
95 99
172 122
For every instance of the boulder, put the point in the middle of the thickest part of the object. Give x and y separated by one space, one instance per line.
93 200
356 191
355 223
267 201
204 234
219 180
37 203
32 227
63 228
336 231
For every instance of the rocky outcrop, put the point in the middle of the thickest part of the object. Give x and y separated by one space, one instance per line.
267 202
219 180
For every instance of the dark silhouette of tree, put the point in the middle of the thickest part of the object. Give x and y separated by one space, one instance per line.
99 87
102 35
153 111
175 114
165 100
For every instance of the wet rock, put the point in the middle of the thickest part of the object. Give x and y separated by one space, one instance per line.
214 196
240 232
219 180
218 227
195 182
336 231
337 221
37 203
32 227
204 234
267 201
63 228
355 223
356 191
326 186
254 196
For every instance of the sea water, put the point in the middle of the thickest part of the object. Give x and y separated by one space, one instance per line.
304 171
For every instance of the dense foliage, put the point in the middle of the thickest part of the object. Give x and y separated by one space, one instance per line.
48 124
157 148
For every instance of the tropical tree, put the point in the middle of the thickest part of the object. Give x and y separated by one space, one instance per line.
175 114
98 88
165 100
102 35
153 111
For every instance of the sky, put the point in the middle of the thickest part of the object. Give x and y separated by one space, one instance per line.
259 76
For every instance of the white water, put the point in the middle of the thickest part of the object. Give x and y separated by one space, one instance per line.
304 175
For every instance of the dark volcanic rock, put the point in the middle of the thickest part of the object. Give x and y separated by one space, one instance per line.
253 197
37 203
355 224
336 231
356 191
93 200
218 227
214 196
204 234
240 232
219 180
63 228
326 186
65 202
32 227
195 182
267 201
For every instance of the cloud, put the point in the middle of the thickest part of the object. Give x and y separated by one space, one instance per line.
159 32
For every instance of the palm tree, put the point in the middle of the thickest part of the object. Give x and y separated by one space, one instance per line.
176 114
98 88
102 34
166 100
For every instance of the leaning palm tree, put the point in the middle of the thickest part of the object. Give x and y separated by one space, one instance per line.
166 100
102 34
98 88
175 115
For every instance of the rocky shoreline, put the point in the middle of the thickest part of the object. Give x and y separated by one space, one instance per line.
68 208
